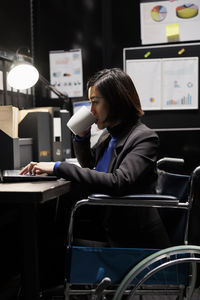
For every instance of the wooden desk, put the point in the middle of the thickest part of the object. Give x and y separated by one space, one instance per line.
29 196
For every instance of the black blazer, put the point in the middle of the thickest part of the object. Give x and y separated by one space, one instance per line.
132 169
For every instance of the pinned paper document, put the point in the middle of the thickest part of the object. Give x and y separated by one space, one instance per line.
172 32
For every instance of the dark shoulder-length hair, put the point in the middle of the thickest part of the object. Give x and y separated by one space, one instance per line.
118 90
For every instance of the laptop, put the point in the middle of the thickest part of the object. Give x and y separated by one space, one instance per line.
13 176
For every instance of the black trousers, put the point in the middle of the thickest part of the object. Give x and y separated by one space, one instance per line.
111 227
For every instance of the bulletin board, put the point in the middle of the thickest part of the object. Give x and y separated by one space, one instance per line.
167 81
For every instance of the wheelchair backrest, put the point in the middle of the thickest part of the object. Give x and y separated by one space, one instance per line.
173 184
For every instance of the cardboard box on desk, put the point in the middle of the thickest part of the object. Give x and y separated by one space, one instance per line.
9 150
23 112
9 120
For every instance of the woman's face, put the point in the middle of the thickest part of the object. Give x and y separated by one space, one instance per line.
99 108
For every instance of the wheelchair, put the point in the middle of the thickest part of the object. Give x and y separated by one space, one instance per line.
116 273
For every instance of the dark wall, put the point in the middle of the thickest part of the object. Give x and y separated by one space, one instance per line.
15 33
64 25
101 28
15 30
125 28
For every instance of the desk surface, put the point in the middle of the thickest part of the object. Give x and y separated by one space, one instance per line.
38 191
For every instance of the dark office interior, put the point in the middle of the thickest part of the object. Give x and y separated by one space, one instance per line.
102 29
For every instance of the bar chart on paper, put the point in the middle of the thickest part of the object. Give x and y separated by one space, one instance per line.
185 100
180 84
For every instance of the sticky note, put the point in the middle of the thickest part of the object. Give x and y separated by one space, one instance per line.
172 32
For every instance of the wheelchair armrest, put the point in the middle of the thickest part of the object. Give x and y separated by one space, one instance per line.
171 160
134 200
147 200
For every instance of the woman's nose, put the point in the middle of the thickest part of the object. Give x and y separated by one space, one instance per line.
92 108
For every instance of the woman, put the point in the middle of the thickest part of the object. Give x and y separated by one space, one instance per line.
126 166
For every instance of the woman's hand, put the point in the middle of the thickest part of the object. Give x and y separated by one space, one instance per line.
38 168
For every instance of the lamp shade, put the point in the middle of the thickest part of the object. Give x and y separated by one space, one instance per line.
22 75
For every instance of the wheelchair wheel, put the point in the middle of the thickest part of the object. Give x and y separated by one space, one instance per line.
161 272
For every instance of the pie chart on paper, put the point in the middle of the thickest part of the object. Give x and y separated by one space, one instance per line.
158 13
187 11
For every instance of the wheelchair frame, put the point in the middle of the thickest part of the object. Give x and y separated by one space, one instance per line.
98 291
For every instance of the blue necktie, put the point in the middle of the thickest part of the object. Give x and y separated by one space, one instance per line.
103 163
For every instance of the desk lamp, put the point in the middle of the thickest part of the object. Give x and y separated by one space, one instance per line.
23 75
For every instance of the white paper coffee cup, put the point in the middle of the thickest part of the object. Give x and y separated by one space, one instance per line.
81 120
